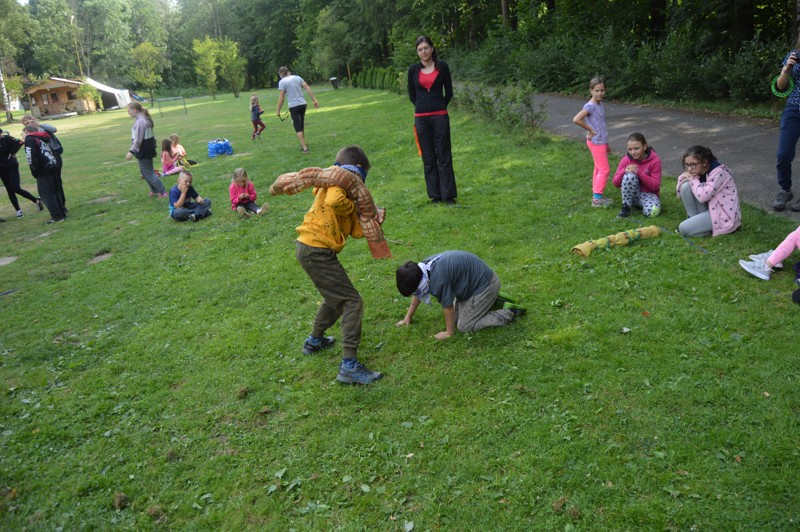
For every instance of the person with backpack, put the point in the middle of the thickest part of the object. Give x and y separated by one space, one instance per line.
56 147
44 167
9 172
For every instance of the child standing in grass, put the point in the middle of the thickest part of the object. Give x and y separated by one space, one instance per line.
322 235
243 195
169 159
255 117
464 285
44 168
592 118
639 177
184 201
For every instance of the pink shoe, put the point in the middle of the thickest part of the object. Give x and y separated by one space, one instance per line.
163 195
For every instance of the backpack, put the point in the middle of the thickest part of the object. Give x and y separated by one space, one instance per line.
55 144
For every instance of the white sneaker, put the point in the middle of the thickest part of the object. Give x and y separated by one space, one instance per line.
765 256
20 214
757 268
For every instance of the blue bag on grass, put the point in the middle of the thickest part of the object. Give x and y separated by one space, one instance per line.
219 147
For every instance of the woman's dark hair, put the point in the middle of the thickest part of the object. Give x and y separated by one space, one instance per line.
699 152
427 40
139 109
408 277
354 155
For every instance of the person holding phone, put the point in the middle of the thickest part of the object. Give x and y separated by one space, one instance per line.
789 129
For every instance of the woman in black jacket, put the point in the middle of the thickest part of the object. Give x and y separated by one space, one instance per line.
430 90
9 172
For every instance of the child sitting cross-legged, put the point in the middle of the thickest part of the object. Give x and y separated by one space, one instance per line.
243 195
184 201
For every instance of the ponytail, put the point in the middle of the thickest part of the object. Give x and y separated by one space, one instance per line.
141 110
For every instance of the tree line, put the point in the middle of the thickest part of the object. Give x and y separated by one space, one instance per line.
681 49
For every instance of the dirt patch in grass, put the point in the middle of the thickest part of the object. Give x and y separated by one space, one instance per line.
101 257
101 199
5 261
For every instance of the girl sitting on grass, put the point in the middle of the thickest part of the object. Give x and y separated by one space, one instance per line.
708 194
243 195
639 177
181 152
169 159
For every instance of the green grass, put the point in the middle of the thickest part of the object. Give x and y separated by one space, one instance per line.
172 370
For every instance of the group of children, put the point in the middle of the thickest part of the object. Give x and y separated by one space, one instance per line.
706 187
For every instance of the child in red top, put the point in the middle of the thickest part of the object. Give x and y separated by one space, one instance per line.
243 195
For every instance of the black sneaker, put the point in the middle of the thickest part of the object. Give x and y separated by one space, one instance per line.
311 347
625 211
782 199
795 206
39 204
193 217
54 220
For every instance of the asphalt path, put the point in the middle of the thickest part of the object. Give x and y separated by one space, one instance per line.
747 147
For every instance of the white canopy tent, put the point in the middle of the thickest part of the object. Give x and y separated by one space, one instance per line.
112 98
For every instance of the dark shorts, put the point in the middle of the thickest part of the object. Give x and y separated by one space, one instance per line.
298 117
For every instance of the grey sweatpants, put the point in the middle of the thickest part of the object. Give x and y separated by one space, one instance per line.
473 314
340 298
699 221
153 181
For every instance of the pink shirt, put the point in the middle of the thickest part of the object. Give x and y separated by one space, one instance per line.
235 190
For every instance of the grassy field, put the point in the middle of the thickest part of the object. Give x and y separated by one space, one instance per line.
648 387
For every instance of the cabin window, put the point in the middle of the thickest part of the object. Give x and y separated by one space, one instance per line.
54 96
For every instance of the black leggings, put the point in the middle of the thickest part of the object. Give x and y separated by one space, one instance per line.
10 177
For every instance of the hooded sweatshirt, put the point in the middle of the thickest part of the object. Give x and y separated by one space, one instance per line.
649 172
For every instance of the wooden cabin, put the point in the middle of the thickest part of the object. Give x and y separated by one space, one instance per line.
57 96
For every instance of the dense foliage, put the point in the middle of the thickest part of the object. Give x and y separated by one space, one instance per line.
687 50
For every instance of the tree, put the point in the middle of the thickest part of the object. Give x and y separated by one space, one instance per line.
207 52
12 33
231 65
105 38
148 64
51 40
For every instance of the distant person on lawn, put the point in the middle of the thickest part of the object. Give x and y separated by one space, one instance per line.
143 147
291 88
56 147
44 166
464 285
243 195
184 201
9 172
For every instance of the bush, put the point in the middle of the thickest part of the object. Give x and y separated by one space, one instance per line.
510 105
389 79
750 72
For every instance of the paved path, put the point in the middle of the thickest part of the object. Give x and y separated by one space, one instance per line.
747 147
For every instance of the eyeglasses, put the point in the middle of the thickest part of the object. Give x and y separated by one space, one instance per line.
424 49
691 166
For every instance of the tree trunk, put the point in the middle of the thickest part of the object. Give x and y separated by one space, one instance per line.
506 15
6 99
658 9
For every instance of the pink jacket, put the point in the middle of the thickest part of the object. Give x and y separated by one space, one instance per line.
649 172
719 191
235 190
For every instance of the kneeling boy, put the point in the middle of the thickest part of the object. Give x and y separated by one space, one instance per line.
184 201
464 285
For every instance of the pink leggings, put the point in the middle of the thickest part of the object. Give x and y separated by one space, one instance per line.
601 168
789 244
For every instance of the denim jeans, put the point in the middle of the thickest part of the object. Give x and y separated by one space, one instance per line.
787 143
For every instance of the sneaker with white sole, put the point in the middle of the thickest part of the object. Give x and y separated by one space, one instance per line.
602 202
20 214
765 256
757 268
357 374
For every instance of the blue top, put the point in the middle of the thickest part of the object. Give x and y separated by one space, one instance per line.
596 119
794 97
457 276
175 195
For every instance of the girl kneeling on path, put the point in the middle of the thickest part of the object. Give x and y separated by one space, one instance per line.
708 194
639 177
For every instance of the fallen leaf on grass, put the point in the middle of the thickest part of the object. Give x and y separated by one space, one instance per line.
766 394
243 392
646 314
560 502
264 411
625 330
121 501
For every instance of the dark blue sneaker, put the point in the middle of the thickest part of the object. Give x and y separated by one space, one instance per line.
357 374
312 345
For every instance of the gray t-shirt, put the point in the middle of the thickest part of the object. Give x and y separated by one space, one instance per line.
597 119
293 87
457 276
